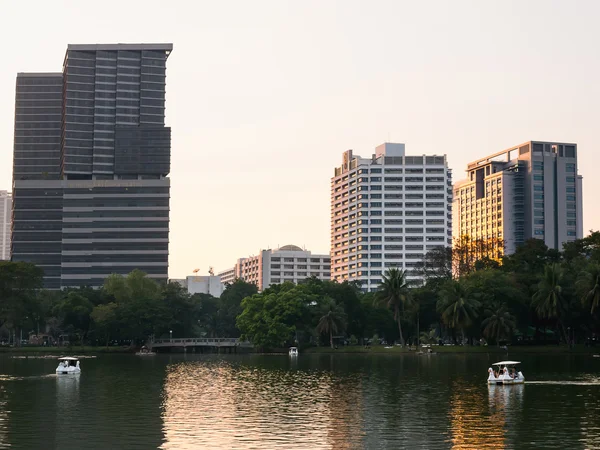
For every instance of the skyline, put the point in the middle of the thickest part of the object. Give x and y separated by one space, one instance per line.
256 141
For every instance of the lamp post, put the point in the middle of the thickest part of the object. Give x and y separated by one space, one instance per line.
171 335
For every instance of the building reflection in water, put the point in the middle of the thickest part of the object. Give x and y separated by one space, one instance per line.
224 405
478 422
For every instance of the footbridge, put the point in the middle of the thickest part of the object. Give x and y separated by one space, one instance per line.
226 345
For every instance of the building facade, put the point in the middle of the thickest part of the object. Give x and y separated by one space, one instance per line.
91 159
287 263
5 224
388 211
532 190
205 284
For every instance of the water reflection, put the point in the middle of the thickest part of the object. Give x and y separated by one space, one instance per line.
226 405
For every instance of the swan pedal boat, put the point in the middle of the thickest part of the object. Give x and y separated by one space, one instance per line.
293 351
504 377
68 366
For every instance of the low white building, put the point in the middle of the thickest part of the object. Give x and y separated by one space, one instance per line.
205 284
5 224
287 263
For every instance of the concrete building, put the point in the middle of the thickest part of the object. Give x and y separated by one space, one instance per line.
287 263
91 159
205 284
5 224
532 190
388 211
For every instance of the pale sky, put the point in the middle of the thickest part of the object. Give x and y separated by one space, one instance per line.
264 96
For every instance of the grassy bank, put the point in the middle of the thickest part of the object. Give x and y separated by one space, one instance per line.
380 349
63 350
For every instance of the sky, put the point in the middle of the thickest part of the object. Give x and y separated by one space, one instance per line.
264 96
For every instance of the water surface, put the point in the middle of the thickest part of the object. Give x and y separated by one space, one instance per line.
315 402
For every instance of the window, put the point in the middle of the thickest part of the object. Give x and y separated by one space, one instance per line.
570 179
570 198
571 214
571 223
571 233
376 179
539 232
375 204
375 188
376 221
538 188
570 168
538 205
539 196
375 230
538 177
571 189
375 170
376 247
538 221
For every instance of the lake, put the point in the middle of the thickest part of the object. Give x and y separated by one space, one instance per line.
318 401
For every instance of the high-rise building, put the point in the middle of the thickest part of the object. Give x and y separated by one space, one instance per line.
529 191
92 155
287 263
387 211
5 222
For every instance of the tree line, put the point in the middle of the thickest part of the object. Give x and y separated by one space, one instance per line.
536 295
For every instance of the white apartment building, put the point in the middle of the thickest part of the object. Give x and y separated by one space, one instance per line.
5 224
287 263
388 211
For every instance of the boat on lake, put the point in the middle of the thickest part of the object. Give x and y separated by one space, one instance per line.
68 366
506 373
293 351
144 351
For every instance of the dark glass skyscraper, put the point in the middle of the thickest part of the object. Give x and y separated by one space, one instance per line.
92 155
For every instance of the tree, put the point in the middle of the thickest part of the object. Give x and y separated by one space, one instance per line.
498 323
548 299
436 264
393 290
588 286
74 311
331 322
270 319
457 306
105 319
19 282
230 305
142 311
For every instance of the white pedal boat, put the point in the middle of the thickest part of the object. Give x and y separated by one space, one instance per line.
505 372
68 366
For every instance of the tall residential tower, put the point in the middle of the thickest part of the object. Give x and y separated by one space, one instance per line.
529 191
91 159
388 211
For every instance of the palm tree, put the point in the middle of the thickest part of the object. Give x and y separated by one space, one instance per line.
499 322
548 300
457 306
588 286
332 322
393 290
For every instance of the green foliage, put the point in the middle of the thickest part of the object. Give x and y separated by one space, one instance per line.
534 293
457 305
333 321
270 319
393 290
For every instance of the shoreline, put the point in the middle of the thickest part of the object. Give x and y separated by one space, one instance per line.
348 350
